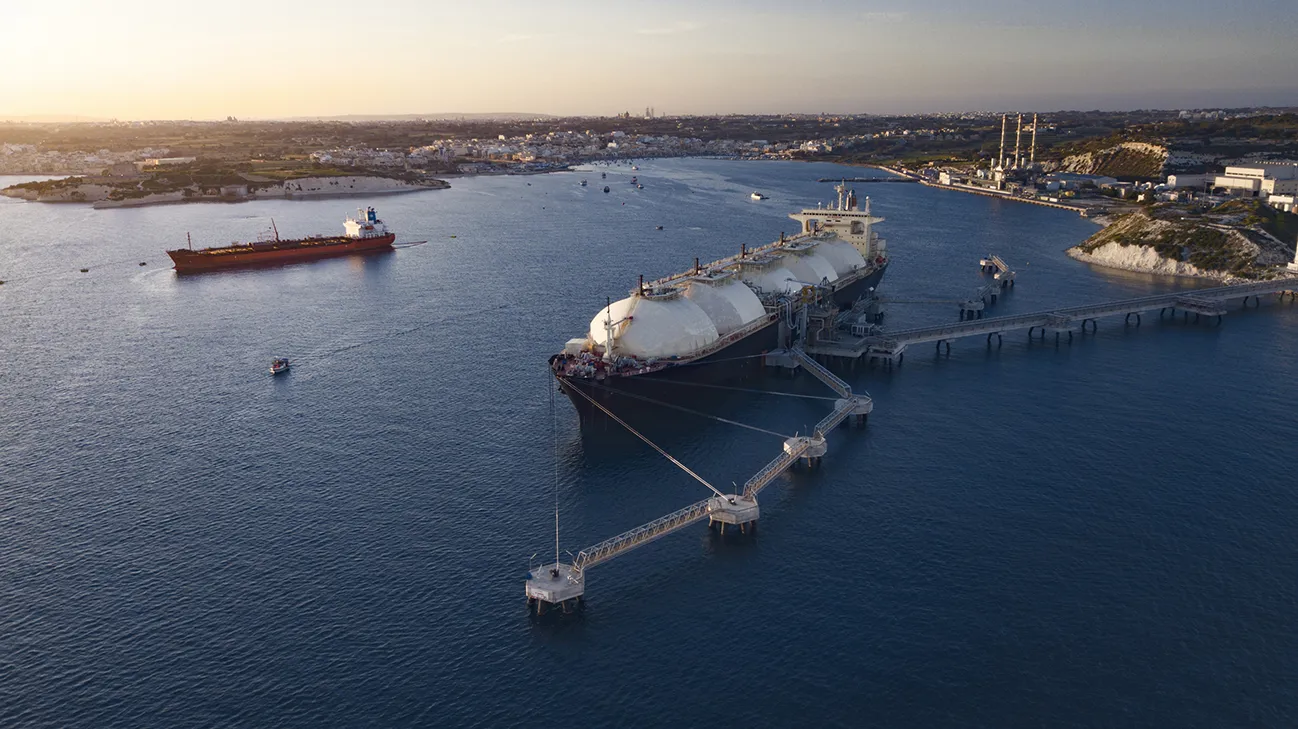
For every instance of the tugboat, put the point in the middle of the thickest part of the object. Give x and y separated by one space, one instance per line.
278 366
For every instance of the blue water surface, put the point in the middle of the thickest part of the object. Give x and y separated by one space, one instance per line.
1094 535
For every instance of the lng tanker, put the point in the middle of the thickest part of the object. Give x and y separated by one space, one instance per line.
732 310
364 233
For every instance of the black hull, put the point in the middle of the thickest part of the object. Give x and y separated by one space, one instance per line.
735 363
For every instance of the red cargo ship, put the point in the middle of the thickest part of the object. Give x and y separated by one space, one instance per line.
363 234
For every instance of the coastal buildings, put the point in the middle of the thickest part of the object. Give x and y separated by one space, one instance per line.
1260 180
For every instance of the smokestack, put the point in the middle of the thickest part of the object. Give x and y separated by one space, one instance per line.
1000 160
1018 136
1033 157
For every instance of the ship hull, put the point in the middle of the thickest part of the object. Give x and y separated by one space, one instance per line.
200 261
734 363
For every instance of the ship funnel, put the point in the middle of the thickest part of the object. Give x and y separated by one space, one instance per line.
743 250
696 266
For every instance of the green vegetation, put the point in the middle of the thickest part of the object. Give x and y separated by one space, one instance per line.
1207 248
1282 225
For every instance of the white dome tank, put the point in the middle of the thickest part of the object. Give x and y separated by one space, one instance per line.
659 326
843 256
727 302
821 265
801 269
769 274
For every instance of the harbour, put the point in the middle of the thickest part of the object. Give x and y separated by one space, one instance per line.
346 544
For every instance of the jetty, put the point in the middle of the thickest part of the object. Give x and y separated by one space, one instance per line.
890 347
868 179
563 585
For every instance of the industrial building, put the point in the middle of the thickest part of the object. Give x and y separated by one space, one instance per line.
1260 181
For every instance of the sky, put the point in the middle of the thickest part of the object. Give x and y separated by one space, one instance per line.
156 59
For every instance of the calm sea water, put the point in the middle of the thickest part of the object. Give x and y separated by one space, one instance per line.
1099 534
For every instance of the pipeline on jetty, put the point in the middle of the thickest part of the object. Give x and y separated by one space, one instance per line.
891 347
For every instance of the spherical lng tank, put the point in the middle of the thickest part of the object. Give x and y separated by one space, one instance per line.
800 269
727 302
654 326
769 274
820 265
844 256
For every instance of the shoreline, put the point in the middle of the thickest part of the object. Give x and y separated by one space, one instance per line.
98 195
113 204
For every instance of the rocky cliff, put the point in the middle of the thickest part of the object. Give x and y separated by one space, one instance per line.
1180 247
1128 159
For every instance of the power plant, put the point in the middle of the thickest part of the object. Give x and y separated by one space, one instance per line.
1004 163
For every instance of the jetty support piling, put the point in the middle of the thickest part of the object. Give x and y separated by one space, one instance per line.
888 347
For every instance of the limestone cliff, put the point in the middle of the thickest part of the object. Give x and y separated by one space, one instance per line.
1180 247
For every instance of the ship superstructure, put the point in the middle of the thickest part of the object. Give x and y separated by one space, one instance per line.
733 307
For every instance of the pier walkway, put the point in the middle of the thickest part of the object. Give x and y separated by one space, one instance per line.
562 584
1200 302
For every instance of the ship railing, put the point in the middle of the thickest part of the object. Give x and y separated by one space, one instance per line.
640 536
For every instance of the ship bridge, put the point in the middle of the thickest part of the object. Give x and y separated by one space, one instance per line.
848 221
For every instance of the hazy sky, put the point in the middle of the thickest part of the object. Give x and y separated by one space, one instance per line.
153 59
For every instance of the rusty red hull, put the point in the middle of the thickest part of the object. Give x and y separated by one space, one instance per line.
277 252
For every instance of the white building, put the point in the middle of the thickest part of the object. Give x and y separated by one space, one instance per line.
1283 203
1263 180
1179 181
167 161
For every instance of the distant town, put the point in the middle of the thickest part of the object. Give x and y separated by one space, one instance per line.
1235 169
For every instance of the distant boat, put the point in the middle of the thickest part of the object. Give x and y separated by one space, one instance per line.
635 167
603 175
635 181
278 365
606 188
583 183
639 187
757 196
658 227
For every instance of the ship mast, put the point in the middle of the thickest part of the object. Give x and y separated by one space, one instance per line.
272 227
191 240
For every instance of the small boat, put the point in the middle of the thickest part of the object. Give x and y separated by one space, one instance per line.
583 183
757 196
658 227
639 187
603 175
635 181
635 167
606 188
279 365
